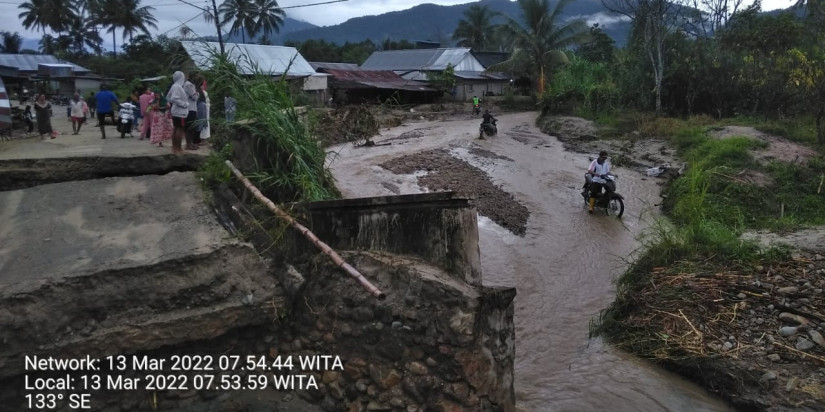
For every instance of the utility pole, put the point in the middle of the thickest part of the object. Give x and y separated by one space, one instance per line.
218 25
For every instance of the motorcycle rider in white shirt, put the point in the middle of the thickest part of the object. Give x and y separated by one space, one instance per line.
597 169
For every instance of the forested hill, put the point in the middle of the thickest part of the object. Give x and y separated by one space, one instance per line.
290 26
437 23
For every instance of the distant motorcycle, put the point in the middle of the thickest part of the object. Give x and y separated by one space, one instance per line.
489 129
476 109
609 200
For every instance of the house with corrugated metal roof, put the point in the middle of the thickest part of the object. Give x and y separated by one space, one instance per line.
251 58
417 64
44 73
348 85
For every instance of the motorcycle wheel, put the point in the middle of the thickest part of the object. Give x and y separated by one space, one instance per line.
616 205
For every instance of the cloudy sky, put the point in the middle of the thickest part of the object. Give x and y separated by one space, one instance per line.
170 14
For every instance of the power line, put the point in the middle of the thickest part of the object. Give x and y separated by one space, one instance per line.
181 25
312 4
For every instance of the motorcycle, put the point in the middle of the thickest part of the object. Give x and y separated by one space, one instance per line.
489 128
476 109
609 200
126 117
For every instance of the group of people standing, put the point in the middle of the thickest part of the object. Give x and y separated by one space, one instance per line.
181 114
189 111
77 111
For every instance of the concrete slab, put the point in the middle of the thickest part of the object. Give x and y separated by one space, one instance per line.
120 264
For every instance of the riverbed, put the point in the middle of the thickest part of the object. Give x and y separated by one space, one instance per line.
562 263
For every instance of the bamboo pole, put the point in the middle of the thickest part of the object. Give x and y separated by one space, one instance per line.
308 234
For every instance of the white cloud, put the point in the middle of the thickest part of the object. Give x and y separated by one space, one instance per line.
604 19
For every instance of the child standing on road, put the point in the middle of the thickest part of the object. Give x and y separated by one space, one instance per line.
29 119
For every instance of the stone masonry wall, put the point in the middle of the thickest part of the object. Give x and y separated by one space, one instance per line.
439 341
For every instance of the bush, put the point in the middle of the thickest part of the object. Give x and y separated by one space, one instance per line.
295 161
583 84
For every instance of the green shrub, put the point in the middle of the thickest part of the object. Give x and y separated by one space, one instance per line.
294 167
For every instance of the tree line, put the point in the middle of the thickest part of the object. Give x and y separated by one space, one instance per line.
684 57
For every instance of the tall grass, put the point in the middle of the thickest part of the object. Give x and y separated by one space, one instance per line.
294 161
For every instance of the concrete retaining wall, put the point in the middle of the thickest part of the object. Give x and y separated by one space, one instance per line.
441 228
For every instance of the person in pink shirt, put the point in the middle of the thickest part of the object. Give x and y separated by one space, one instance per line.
144 101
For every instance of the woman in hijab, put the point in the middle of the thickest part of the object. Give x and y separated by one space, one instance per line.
43 110
179 102
160 126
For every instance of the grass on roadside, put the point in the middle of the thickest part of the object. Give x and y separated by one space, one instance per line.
294 165
679 263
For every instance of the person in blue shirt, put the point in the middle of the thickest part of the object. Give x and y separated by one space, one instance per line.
105 98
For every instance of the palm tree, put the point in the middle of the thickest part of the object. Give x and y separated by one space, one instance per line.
541 42
83 33
105 13
475 29
54 45
184 32
239 12
267 16
126 14
12 42
54 14
134 18
48 44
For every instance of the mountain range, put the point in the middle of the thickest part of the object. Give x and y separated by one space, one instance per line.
430 22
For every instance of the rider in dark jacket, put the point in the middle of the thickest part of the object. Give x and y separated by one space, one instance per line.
487 117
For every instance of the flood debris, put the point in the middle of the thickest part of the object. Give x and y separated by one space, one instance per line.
752 334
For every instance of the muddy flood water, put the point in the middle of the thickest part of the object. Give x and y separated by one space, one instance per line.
562 267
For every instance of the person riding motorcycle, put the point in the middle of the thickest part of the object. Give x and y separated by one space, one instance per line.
597 169
487 122
476 105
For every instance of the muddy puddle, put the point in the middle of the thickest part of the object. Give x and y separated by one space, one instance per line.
562 265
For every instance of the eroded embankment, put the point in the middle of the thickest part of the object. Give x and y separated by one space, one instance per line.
140 267
751 334
23 173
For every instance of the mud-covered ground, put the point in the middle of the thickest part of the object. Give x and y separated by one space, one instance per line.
447 173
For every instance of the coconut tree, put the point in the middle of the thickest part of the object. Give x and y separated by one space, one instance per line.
134 18
268 17
82 34
105 13
475 29
239 13
11 42
541 41
184 32
53 14
125 14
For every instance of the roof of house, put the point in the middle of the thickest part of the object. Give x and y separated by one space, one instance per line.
374 79
29 62
483 76
417 59
275 60
333 66
488 59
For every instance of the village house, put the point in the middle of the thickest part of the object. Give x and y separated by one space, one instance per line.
417 64
276 61
348 84
40 73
